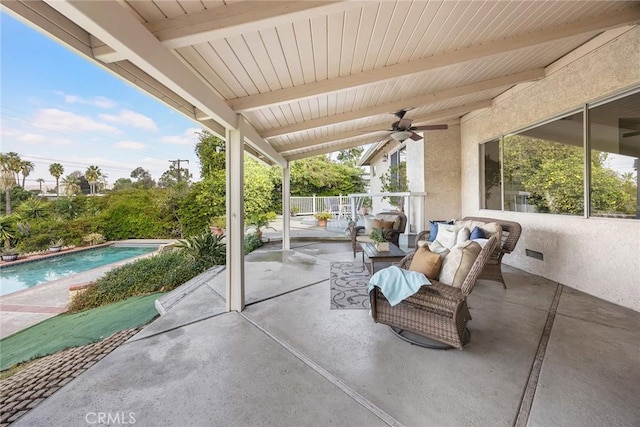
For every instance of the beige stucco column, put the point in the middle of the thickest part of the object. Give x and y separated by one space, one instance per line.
235 219
286 207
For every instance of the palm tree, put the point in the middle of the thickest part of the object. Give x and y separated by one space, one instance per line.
26 167
71 185
13 163
40 181
56 170
7 181
93 175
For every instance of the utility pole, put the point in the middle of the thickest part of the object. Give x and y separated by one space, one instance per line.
173 162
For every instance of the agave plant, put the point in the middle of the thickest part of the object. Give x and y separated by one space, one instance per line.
205 249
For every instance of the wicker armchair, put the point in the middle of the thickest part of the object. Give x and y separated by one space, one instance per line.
392 235
436 311
510 234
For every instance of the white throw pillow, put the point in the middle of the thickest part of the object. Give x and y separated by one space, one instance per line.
437 248
368 225
462 235
447 235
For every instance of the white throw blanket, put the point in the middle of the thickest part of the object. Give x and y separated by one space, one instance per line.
397 284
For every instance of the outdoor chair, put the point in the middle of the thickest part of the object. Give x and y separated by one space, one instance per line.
437 311
510 235
391 223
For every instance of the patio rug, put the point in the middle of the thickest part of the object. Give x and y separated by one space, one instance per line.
349 281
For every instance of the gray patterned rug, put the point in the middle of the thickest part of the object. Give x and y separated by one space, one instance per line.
349 281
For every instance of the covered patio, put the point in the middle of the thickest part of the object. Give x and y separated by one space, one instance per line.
258 344
540 354
287 80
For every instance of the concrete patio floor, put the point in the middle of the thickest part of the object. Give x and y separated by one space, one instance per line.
540 354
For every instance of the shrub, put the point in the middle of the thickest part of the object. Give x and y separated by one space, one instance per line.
205 250
159 273
93 239
251 242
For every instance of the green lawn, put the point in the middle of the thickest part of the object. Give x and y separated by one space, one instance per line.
74 330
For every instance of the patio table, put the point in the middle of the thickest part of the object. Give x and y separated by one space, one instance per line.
394 254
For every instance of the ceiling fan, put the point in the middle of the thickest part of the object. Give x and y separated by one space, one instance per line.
402 129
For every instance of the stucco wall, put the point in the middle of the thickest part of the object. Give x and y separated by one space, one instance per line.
442 174
596 255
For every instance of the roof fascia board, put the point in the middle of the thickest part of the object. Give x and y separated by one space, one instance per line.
287 95
418 101
111 23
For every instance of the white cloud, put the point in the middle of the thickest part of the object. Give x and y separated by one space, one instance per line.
131 118
65 121
130 145
189 137
98 101
33 138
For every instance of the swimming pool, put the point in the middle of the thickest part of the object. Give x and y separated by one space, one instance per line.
23 276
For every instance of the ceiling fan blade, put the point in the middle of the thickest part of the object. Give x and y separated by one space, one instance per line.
400 114
430 127
415 136
404 123
376 130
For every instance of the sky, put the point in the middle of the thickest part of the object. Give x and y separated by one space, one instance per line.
57 107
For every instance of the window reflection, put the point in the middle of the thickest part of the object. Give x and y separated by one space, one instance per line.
544 168
615 148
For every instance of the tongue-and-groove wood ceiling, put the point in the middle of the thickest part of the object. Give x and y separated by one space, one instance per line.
308 77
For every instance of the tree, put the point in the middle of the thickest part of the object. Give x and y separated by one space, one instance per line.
143 178
211 152
71 185
26 167
40 181
56 170
172 176
13 163
122 184
350 156
7 180
92 175
394 180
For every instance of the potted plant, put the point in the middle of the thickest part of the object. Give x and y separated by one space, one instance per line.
56 245
377 235
8 251
217 225
322 218
294 210
260 222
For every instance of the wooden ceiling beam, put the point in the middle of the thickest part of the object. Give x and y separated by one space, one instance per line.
429 117
230 20
391 72
418 101
325 150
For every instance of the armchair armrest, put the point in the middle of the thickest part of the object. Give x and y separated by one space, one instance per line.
356 229
423 235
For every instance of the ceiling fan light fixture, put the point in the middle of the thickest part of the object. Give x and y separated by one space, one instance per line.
401 135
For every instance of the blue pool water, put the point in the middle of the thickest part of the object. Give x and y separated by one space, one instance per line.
30 274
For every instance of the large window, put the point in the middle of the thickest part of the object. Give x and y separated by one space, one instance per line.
614 130
542 169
